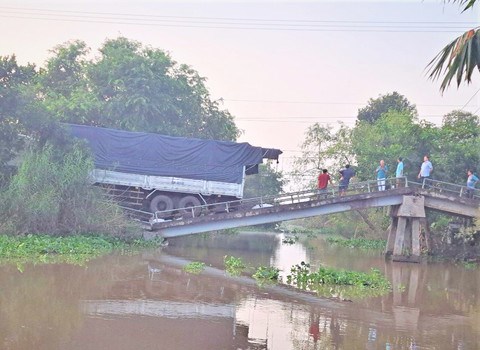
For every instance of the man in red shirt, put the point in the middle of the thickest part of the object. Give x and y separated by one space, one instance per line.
323 180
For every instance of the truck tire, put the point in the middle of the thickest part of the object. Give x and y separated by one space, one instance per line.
161 202
189 202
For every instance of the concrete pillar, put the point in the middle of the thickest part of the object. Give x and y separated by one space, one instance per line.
391 236
405 230
400 236
416 250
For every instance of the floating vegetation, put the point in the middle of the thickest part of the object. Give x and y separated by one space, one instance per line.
296 230
44 249
266 275
337 282
290 239
359 243
234 266
470 265
194 267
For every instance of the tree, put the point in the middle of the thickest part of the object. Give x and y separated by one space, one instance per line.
14 106
132 87
64 86
458 145
395 134
460 58
323 148
268 182
377 107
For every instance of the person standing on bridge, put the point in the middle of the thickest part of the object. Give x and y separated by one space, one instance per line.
322 183
425 169
399 173
381 175
472 180
347 174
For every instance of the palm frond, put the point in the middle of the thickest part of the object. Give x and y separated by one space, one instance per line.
458 59
467 3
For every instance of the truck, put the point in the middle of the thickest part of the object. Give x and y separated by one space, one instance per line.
154 172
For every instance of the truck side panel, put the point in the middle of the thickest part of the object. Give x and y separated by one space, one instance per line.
168 184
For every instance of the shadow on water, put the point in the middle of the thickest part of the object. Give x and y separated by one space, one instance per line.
148 301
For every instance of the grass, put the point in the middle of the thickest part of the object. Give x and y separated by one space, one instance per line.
45 249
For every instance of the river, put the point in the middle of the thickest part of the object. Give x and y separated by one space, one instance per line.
147 301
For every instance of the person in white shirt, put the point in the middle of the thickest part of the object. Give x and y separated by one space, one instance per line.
425 169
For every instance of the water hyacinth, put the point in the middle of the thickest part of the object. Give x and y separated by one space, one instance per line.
363 284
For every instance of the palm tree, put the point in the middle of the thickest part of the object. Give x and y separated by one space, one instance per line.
459 58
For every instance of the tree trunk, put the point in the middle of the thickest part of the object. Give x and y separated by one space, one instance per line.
365 218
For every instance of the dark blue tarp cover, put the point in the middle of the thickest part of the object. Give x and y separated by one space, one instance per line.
155 154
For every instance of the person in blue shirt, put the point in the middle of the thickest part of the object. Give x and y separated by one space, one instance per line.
381 175
471 182
399 173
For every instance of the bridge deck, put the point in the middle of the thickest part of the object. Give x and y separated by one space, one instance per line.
262 210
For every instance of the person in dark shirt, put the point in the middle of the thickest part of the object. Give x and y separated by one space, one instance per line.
347 174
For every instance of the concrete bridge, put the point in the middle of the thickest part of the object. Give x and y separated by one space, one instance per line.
407 202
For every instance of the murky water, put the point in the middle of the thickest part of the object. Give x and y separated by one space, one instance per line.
147 301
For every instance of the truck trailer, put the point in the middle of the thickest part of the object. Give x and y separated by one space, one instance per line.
154 172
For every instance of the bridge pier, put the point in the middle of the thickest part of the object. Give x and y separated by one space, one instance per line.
404 242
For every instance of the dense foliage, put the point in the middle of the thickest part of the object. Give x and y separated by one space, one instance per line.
452 146
397 132
125 86
386 103
268 182
132 87
51 194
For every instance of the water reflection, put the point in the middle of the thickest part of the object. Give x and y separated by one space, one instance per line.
148 301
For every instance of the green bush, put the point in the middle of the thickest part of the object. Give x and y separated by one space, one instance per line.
51 194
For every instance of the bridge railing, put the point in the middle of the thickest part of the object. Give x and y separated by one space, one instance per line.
309 195
281 199
448 188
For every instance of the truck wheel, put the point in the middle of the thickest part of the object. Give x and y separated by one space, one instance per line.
161 203
189 202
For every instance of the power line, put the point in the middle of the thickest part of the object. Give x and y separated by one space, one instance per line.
274 118
323 103
471 98
38 10
54 15
311 121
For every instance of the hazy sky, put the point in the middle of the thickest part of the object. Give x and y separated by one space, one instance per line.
279 66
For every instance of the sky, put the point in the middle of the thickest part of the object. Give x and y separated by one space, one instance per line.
278 67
